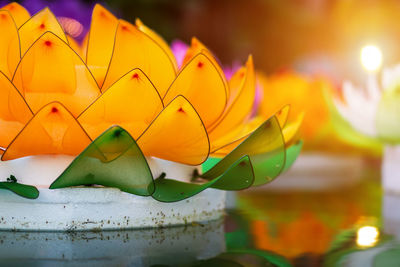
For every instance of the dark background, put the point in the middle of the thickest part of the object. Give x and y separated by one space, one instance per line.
312 36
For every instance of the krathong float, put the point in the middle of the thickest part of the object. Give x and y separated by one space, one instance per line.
374 111
106 134
331 148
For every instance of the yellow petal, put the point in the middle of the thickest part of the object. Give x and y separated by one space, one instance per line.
132 103
84 46
282 115
291 130
239 106
75 45
38 24
18 12
135 49
100 42
53 130
14 112
236 136
159 40
51 71
177 134
202 84
9 45
195 47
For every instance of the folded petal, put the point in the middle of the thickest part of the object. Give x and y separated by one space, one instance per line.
51 71
239 105
75 46
239 176
200 82
18 12
53 130
135 49
38 24
132 103
266 149
195 47
14 112
232 139
100 42
159 40
291 129
177 134
121 165
9 45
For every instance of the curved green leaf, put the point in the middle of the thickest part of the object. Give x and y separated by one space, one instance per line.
266 149
291 154
239 176
26 191
113 160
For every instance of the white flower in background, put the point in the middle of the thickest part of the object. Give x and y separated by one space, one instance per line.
375 109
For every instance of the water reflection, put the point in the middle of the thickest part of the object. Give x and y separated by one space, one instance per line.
172 246
194 245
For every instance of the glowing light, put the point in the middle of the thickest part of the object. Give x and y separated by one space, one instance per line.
367 236
371 57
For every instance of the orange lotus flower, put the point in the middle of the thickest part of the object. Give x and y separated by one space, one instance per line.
57 96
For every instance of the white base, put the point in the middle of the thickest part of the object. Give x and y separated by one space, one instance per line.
315 171
391 169
74 209
171 246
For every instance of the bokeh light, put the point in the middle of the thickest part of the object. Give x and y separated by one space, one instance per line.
371 57
367 236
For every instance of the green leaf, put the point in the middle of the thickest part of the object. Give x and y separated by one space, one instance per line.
291 154
239 176
266 149
112 160
26 191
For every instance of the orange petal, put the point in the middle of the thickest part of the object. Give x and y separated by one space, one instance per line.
38 24
135 49
239 105
51 71
232 139
14 112
202 84
74 45
18 12
195 47
100 42
132 103
177 134
84 46
9 45
159 40
53 130
236 136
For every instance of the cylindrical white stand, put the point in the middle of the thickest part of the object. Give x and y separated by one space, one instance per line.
391 215
391 169
75 209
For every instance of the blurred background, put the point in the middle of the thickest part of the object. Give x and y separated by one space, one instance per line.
312 36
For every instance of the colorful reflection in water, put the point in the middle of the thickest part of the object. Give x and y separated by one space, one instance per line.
341 227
